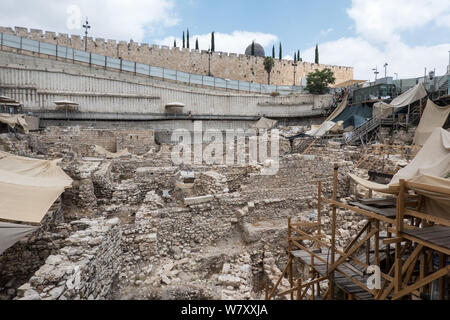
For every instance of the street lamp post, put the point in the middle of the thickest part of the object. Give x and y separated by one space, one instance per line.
376 73
396 76
86 27
385 69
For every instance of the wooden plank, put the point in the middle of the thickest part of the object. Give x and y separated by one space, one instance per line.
361 211
438 274
425 187
440 247
428 217
387 212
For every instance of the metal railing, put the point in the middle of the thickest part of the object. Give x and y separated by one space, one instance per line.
58 51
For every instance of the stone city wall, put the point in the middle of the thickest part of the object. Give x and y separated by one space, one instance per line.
223 65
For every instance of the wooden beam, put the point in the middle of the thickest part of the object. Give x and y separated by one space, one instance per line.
425 187
377 243
427 217
357 237
333 229
272 293
393 240
291 283
427 244
438 274
351 251
360 211
319 208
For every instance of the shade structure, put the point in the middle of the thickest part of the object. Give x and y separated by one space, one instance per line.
384 110
424 169
432 118
28 187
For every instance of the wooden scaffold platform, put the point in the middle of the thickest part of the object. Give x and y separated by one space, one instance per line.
406 246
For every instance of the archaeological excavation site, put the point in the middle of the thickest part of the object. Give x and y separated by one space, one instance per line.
137 172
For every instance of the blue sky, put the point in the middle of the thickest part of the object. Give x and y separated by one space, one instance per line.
297 24
410 35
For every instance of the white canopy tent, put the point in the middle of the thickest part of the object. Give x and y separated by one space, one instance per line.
28 188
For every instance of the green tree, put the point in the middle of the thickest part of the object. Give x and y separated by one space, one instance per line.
273 52
184 41
253 48
295 57
317 54
188 39
175 43
281 52
213 44
298 56
269 63
196 44
319 80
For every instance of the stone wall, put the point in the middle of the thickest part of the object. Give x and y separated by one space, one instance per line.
80 140
223 65
85 268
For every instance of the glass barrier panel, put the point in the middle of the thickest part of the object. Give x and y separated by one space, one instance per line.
30 45
113 63
47 48
11 41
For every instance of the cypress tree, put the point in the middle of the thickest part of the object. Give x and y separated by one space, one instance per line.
295 57
253 48
184 41
213 44
175 43
188 39
196 44
298 56
317 54
281 52
273 52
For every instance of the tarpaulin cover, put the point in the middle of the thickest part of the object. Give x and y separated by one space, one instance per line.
430 167
11 233
14 120
264 123
103 152
355 115
329 124
29 187
432 118
383 110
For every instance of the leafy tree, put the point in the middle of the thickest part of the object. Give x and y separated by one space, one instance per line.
281 52
196 44
213 44
319 80
273 52
317 54
187 39
184 41
269 63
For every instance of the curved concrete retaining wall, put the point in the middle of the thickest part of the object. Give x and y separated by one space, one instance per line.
38 82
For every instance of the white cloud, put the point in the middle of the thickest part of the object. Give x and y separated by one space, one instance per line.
379 25
405 60
112 19
381 20
236 42
326 32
